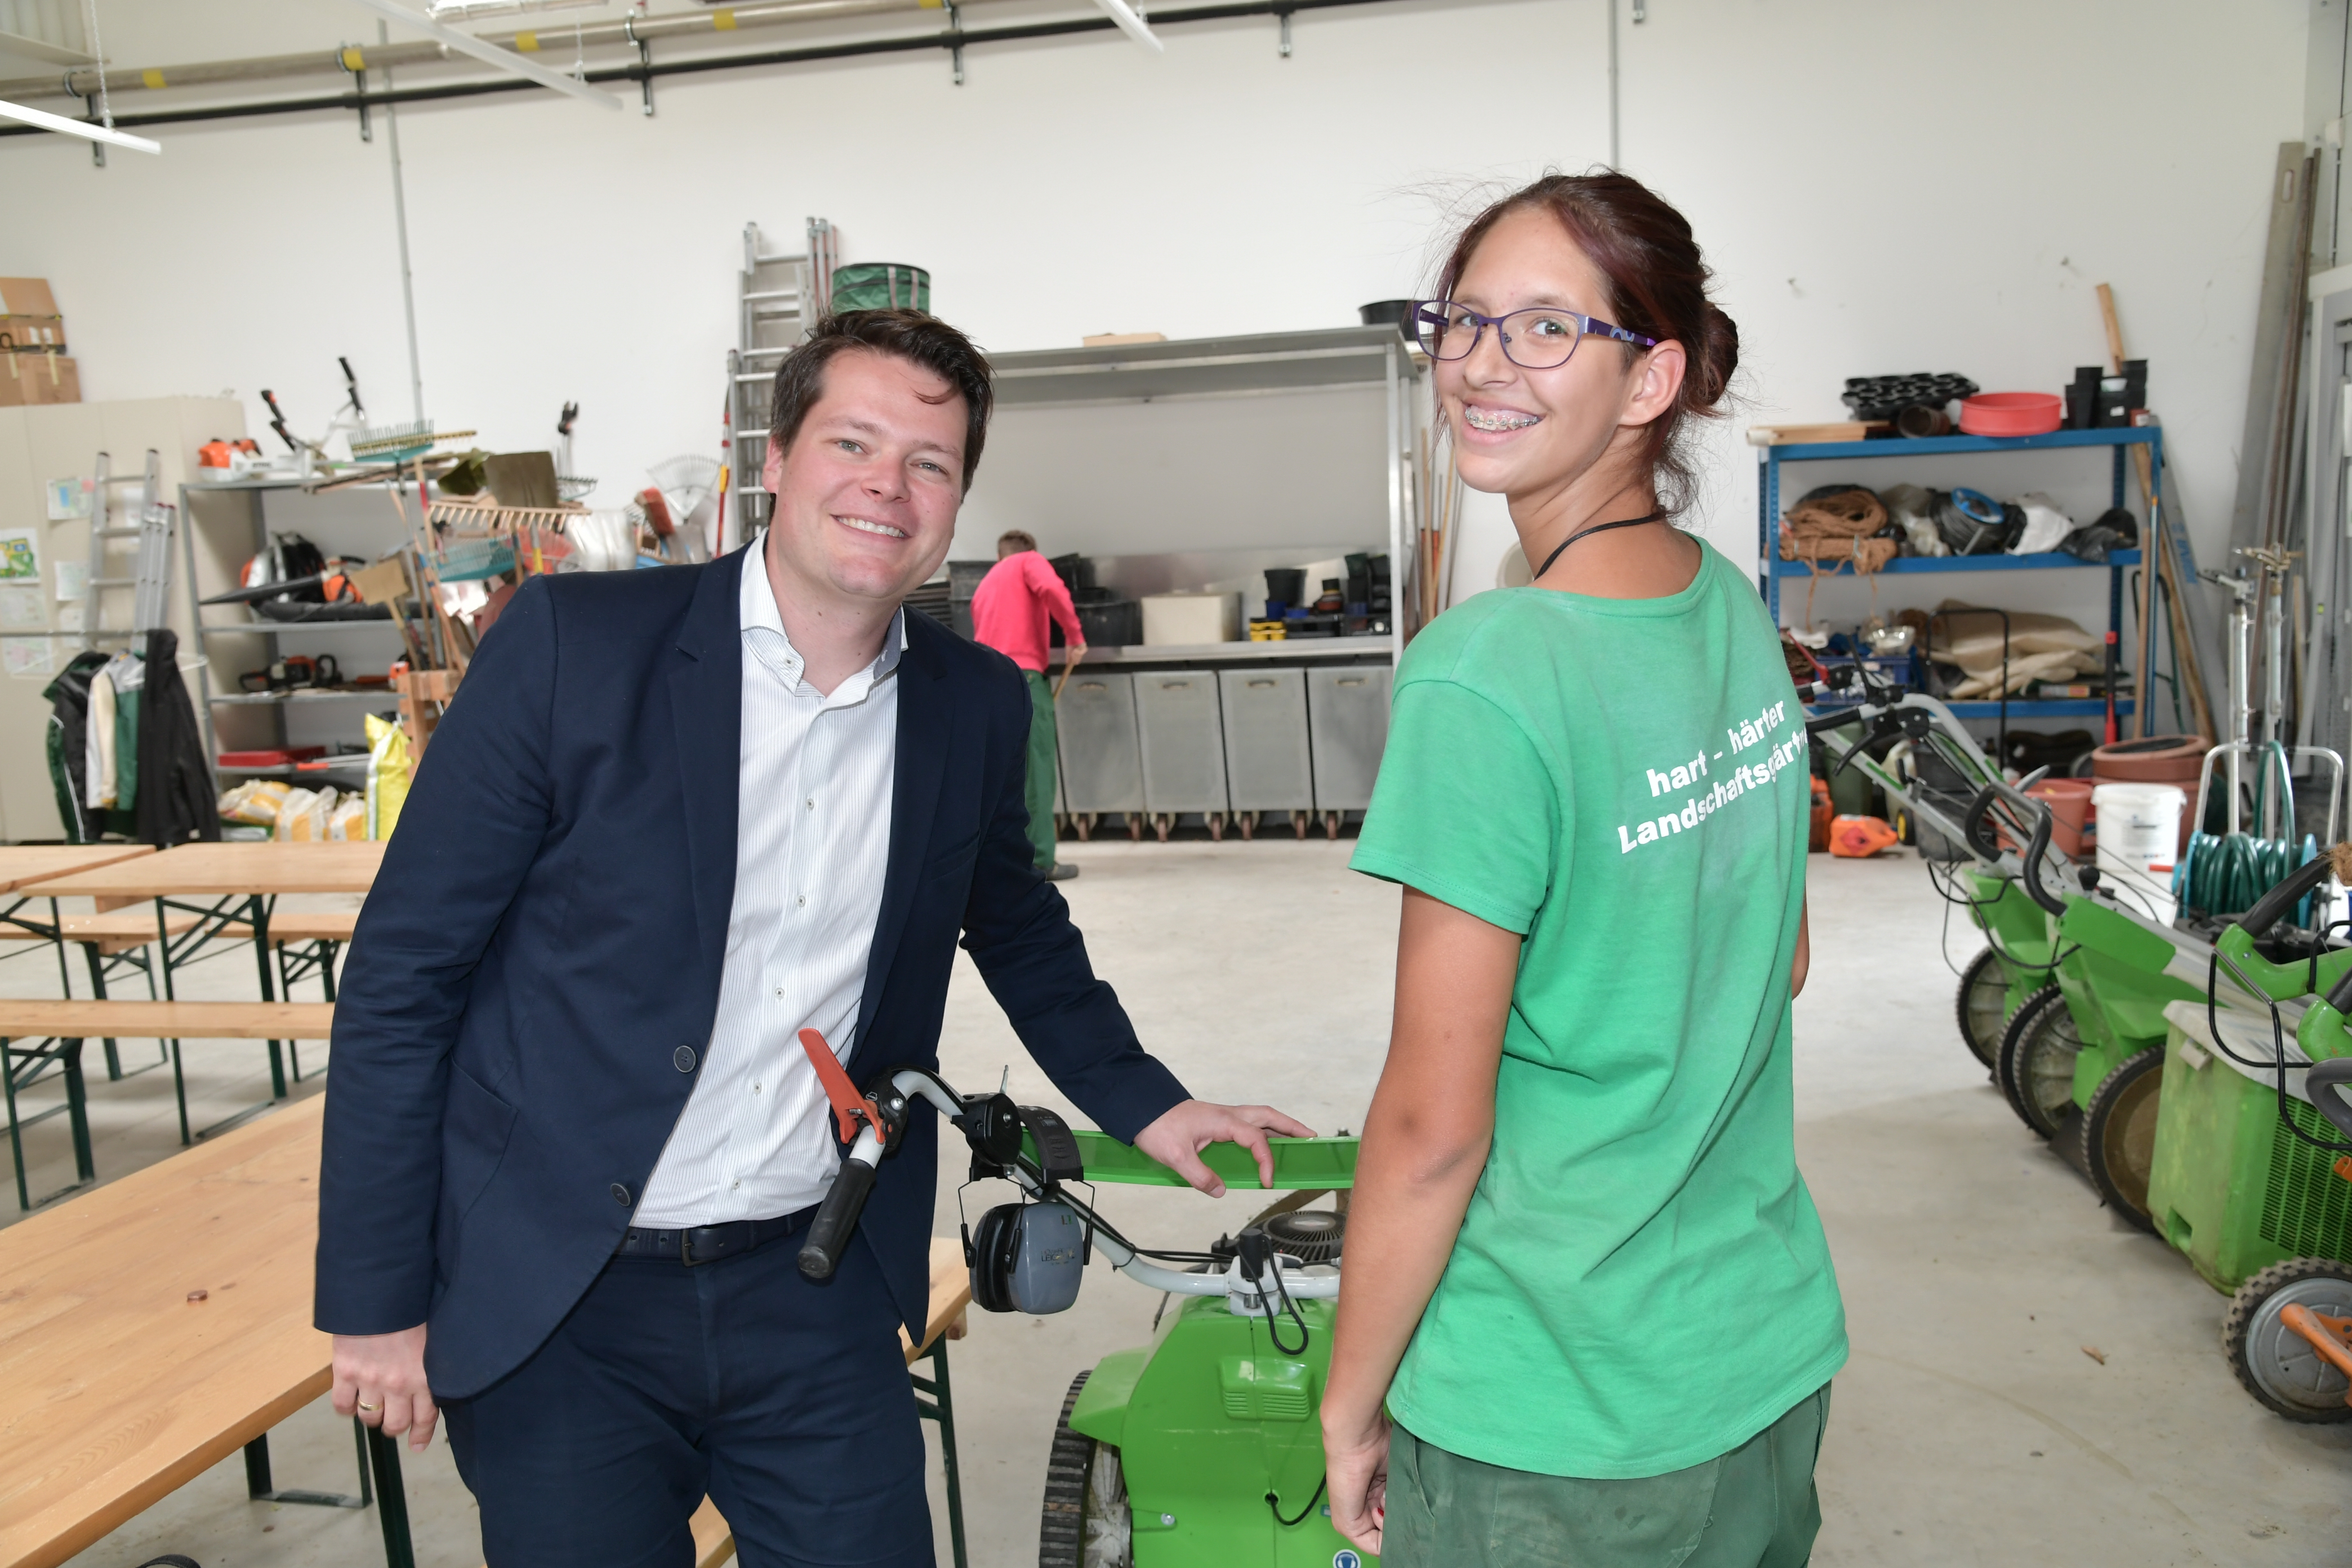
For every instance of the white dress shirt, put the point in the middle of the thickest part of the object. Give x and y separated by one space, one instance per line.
812 843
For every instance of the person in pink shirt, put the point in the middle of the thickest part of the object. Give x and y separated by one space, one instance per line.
1009 612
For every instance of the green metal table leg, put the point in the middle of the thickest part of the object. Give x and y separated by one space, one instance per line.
260 1487
98 989
16 1135
258 912
392 1501
180 1092
66 1053
941 1409
77 1112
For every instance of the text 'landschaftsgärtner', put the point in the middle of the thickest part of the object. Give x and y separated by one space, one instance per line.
1744 776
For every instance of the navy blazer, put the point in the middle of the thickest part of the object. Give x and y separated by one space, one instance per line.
549 926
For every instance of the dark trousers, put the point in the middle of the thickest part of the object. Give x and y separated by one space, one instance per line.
787 1402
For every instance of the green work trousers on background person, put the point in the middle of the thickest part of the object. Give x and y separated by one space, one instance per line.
1041 769
1752 1508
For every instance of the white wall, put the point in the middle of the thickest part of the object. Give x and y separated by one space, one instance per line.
1883 187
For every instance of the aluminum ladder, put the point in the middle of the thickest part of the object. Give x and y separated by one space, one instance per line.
150 567
780 295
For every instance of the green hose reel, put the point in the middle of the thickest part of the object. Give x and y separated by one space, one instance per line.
2226 874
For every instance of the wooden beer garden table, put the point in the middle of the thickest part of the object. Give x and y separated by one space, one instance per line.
240 884
153 1327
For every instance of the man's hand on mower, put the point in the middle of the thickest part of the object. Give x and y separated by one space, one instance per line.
381 1379
1176 1139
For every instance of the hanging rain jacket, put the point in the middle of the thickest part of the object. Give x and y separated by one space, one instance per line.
68 741
175 787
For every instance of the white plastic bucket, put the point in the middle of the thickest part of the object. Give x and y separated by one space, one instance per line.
2139 835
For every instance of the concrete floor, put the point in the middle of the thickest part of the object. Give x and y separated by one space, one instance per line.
1971 1426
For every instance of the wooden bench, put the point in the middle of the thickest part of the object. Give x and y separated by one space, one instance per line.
119 929
62 1027
153 1328
114 943
110 934
951 1301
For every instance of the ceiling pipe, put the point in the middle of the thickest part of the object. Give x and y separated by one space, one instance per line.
489 54
746 59
711 23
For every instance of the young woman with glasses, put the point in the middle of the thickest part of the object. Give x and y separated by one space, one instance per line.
1584 1278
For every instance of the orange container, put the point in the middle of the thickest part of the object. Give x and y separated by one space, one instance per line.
2010 413
2072 821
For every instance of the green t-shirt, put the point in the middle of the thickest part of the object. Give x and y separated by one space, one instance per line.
1641 1283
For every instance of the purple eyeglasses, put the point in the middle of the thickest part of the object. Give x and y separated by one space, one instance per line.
1539 337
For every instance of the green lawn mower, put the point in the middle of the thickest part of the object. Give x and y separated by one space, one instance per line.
2083 1063
2066 1004
1957 805
1202 1447
2253 1169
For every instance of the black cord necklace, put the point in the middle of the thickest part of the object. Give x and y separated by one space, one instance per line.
1589 532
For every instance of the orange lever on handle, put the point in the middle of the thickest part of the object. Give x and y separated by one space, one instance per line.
849 1107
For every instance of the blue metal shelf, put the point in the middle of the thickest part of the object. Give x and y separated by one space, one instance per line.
1773 570
2149 435
2043 561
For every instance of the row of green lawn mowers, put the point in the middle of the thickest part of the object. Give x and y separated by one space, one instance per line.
2170 1062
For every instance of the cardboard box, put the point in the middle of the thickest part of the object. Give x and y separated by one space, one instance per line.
29 318
26 297
34 381
33 334
1181 620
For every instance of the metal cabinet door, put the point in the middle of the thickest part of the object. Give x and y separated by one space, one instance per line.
1348 723
1094 721
1183 741
1268 765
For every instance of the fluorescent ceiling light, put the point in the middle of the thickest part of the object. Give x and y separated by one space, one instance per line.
467 10
82 128
490 54
1130 23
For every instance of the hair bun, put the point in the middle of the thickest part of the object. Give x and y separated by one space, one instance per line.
1716 359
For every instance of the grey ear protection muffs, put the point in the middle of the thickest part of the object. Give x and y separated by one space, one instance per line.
1027 1258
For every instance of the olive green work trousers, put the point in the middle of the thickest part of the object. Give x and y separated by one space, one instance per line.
1752 1508
1042 760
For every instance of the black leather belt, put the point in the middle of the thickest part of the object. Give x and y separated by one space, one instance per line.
709 1242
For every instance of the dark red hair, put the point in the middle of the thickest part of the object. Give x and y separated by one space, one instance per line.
1657 287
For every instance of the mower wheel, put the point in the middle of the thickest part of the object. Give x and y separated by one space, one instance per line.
2279 1366
2036 1068
1983 1006
1086 1524
2119 1135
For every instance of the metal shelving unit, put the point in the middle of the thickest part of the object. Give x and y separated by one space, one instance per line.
1121 731
1245 366
1771 569
278 702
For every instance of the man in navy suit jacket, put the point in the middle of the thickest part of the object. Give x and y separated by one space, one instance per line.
569 1127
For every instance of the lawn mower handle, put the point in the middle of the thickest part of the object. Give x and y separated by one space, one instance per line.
2037 846
2273 905
984 1123
836 1215
2322 1083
